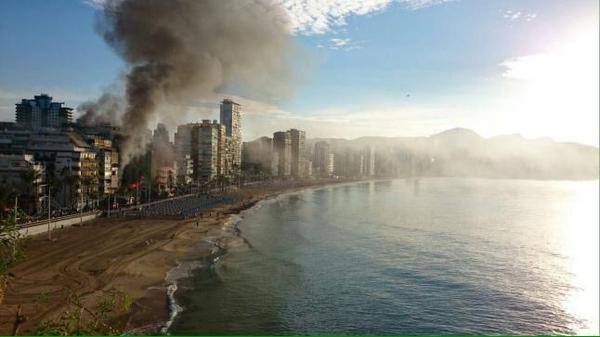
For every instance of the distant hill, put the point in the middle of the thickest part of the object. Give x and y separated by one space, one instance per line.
462 152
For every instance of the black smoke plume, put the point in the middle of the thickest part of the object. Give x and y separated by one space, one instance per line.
181 50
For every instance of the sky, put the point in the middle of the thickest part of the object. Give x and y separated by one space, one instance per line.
377 67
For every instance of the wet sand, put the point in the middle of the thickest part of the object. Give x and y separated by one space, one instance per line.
116 255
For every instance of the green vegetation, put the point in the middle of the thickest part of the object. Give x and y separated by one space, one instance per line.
81 319
10 249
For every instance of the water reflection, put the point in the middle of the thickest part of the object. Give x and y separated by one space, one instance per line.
427 256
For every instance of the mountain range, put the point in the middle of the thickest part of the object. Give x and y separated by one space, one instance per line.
462 152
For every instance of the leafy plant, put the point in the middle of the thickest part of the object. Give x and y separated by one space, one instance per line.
42 298
79 319
10 249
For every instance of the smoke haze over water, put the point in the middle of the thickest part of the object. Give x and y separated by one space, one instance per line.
181 50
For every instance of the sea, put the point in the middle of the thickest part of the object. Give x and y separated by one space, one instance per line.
408 256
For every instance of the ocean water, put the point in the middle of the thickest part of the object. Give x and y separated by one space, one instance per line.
426 256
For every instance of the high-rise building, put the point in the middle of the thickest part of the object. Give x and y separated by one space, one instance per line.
257 156
163 155
282 146
329 167
369 155
202 151
161 134
275 163
350 162
231 118
223 153
41 112
323 163
183 153
298 150
107 158
205 150
308 168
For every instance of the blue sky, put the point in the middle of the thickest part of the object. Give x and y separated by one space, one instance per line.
392 68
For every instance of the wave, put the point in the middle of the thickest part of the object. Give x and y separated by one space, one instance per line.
174 308
183 270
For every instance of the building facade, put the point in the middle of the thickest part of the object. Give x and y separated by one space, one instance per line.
231 119
68 158
257 156
369 157
282 145
183 153
107 158
323 161
349 163
224 158
23 174
298 151
163 152
205 150
41 112
14 166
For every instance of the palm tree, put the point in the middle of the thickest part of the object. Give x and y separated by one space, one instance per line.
29 180
87 184
29 185
69 182
170 183
7 197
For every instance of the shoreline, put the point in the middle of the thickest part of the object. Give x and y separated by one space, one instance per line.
124 255
219 249
173 308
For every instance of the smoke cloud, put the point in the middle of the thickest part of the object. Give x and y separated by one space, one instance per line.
103 111
181 50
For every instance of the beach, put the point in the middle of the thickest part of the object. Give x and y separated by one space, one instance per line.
128 256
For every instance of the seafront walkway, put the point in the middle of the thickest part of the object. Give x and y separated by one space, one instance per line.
184 208
178 207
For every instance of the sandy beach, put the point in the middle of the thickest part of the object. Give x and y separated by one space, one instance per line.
127 256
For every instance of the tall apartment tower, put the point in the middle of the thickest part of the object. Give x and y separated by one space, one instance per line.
222 146
205 150
257 156
183 153
298 150
282 147
369 153
323 163
231 118
41 112
163 154
161 134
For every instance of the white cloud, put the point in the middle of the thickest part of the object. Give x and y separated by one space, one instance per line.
263 118
555 93
345 44
340 42
511 15
530 16
321 16
94 3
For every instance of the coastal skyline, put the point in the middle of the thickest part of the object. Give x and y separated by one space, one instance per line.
299 167
438 74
